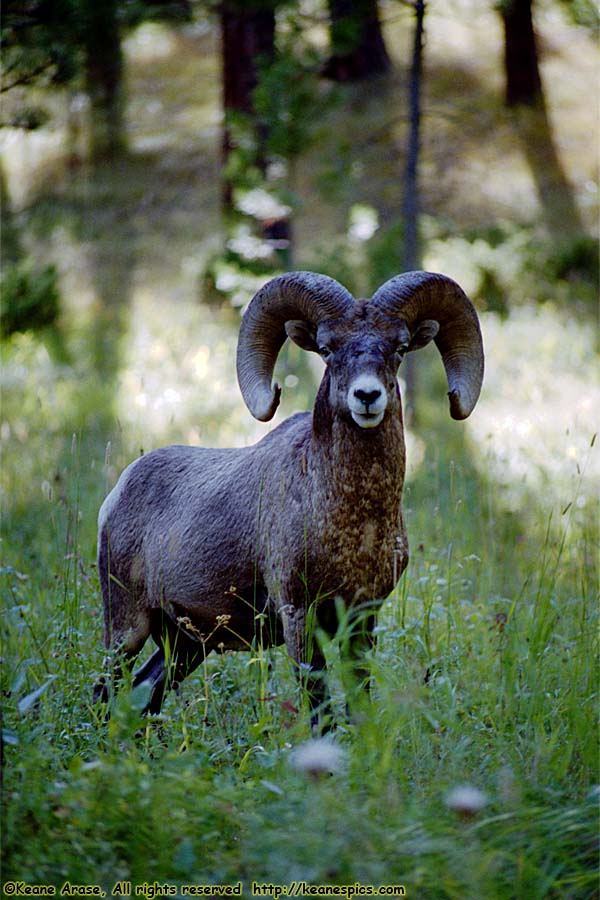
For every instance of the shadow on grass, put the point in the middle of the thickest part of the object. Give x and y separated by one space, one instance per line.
556 194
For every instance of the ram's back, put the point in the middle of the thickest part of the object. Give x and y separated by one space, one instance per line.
181 529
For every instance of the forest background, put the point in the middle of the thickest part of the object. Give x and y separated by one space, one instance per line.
159 162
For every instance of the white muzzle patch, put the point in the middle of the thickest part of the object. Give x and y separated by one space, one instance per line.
367 400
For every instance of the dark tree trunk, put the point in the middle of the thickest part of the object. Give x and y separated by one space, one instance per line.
411 254
11 250
411 185
247 35
104 77
357 46
523 81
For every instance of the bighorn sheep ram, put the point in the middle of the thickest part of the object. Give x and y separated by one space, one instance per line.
219 549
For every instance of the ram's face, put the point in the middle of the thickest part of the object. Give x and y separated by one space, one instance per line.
362 359
362 352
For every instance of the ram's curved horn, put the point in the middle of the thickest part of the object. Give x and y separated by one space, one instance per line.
295 295
415 296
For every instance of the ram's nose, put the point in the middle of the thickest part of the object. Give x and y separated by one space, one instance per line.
367 401
367 397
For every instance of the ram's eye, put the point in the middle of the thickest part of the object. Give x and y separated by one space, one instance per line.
325 351
400 352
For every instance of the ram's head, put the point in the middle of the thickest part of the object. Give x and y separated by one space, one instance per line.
362 342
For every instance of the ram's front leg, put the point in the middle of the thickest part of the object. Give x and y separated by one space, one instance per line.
353 626
310 662
356 671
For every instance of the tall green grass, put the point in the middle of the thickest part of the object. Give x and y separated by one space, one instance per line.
485 673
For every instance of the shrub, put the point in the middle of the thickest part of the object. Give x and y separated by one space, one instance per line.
30 299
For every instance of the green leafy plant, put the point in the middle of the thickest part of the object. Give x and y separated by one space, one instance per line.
30 298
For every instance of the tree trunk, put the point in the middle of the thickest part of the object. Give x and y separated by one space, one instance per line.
523 81
104 77
11 250
411 255
357 46
247 35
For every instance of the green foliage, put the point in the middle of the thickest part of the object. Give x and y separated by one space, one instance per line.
500 269
583 12
385 253
577 258
241 169
39 41
336 260
265 145
30 299
42 41
289 98
134 12
257 245
485 672
29 117
512 265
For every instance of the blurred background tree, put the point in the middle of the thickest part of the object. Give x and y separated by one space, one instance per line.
54 46
100 36
248 43
275 104
411 257
76 43
523 80
357 46
40 47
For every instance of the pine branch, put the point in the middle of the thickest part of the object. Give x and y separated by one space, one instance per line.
25 78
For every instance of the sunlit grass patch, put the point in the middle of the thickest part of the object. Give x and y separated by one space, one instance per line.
536 423
174 386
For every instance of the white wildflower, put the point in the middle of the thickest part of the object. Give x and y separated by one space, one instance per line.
466 800
319 756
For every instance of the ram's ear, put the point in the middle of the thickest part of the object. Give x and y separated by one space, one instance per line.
302 333
423 334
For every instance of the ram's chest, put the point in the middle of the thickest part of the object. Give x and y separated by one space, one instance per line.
358 545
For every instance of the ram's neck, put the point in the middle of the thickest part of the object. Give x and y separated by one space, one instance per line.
356 466
356 505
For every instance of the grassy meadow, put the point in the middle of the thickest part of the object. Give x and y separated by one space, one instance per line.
473 773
